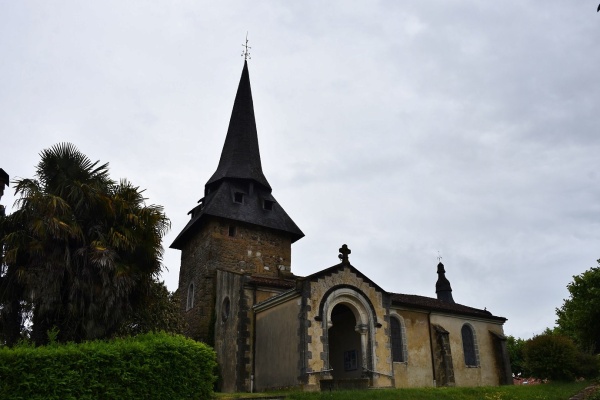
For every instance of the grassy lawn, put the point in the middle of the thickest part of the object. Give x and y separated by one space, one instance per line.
551 391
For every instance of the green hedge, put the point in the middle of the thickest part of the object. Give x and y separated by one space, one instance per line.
150 366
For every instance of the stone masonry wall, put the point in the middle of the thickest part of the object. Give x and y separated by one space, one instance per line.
487 372
251 249
277 342
417 370
230 304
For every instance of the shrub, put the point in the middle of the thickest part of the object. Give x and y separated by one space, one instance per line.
517 359
551 357
588 366
156 366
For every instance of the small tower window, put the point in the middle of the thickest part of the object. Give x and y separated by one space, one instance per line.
238 197
225 309
232 230
268 205
190 297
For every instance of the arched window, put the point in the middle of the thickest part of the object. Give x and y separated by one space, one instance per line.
470 349
190 297
225 308
398 339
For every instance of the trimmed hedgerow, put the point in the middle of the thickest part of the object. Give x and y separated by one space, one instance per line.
150 366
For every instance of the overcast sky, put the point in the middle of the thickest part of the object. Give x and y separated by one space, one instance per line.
401 128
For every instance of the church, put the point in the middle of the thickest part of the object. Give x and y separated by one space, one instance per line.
334 329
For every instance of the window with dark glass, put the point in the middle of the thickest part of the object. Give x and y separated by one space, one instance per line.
397 341
225 308
232 230
468 339
268 205
190 297
238 197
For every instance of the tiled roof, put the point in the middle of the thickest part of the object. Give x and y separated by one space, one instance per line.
432 304
220 203
338 267
400 299
272 282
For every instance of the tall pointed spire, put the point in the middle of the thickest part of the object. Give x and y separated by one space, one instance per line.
4 180
442 286
240 158
238 190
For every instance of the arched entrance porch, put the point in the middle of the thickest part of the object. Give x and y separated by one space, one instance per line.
348 339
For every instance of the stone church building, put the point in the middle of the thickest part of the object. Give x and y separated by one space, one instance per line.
333 329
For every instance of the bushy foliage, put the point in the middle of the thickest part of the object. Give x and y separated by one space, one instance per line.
579 316
80 252
160 312
515 348
551 357
588 366
150 366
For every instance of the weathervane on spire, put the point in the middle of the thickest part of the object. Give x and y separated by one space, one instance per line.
246 52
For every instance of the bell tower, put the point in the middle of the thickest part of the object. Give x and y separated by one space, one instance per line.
442 286
237 226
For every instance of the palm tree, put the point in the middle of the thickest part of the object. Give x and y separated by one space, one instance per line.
81 249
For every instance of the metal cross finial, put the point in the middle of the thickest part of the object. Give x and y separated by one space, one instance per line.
439 257
246 52
344 251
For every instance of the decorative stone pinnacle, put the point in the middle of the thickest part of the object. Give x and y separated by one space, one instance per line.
344 252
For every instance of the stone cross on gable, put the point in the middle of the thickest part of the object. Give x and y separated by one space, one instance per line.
344 252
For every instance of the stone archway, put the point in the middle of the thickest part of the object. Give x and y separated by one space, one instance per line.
348 328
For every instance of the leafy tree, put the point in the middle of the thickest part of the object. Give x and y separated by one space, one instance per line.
80 252
579 316
551 357
160 312
516 353
555 330
588 365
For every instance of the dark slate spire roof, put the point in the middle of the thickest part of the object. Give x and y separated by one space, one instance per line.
240 157
4 180
442 286
238 190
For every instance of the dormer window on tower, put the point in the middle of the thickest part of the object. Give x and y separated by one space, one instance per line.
238 197
268 204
